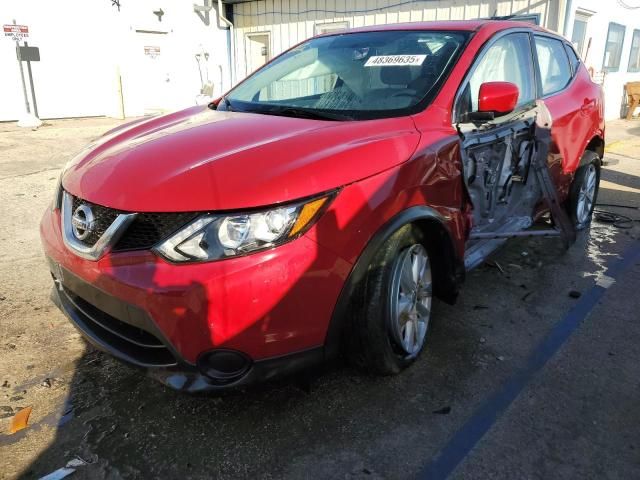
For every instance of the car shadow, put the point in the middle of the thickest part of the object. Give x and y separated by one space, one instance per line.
620 178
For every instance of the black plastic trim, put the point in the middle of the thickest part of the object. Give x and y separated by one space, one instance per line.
587 157
106 340
186 378
85 311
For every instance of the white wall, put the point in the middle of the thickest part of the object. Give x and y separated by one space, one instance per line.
292 21
186 35
85 44
606 11
73 74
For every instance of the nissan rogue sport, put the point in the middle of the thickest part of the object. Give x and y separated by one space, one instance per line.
319 206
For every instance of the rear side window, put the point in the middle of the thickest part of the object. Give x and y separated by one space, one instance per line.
507 60
573 58
555 72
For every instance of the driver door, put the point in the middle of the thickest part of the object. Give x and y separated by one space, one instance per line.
496 152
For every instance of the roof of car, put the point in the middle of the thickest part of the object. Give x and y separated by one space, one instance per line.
462 25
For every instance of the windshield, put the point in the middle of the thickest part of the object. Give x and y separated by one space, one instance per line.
352 76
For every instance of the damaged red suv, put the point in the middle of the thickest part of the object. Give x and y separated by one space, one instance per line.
320 205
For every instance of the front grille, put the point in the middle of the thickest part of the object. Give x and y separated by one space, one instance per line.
103 218
132 343
147 229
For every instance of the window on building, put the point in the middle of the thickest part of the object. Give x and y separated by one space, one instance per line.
507 60
634 57
613 47
331 27
555 72
579 35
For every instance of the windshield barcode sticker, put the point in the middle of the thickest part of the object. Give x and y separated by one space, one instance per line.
395 60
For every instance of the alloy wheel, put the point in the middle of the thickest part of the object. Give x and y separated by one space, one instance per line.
411 297
586 195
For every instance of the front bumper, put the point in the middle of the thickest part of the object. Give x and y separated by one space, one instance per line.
159 359
273 308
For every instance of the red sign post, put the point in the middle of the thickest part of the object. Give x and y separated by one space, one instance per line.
19 33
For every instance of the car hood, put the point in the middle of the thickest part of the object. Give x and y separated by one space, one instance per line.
199 159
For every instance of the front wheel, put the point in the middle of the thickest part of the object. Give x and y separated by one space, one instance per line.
584 191
392 308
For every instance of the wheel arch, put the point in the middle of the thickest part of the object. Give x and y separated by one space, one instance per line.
448 266
596 145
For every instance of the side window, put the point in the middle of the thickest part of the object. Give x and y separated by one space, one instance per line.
579 34
573 58
507 60
555 73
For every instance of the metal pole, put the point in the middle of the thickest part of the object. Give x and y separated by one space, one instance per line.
33 90
24 85
567 17
120 95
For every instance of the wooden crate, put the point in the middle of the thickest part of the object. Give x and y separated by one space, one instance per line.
633 97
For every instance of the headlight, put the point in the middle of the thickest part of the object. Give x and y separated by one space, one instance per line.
212 237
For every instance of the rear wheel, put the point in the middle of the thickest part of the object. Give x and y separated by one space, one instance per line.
392 308
584 191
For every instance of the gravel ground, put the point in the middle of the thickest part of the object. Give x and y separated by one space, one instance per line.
577 417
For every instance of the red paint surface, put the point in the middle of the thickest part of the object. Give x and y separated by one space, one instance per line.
577 117
232 160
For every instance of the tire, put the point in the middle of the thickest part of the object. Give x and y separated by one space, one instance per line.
583 193
376 340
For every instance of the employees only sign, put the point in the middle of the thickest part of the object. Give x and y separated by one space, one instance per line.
16 32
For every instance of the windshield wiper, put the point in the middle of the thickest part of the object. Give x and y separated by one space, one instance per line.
304 113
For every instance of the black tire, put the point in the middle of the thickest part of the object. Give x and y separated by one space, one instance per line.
369 342
589 160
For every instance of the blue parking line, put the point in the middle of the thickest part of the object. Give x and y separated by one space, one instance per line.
463 441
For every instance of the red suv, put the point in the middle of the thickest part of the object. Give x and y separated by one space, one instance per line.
320 204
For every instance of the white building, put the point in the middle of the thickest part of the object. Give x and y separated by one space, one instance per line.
132 57
272 26
607 31
607 35
109 57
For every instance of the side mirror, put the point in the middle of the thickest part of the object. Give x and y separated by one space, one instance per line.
495 99
213 105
